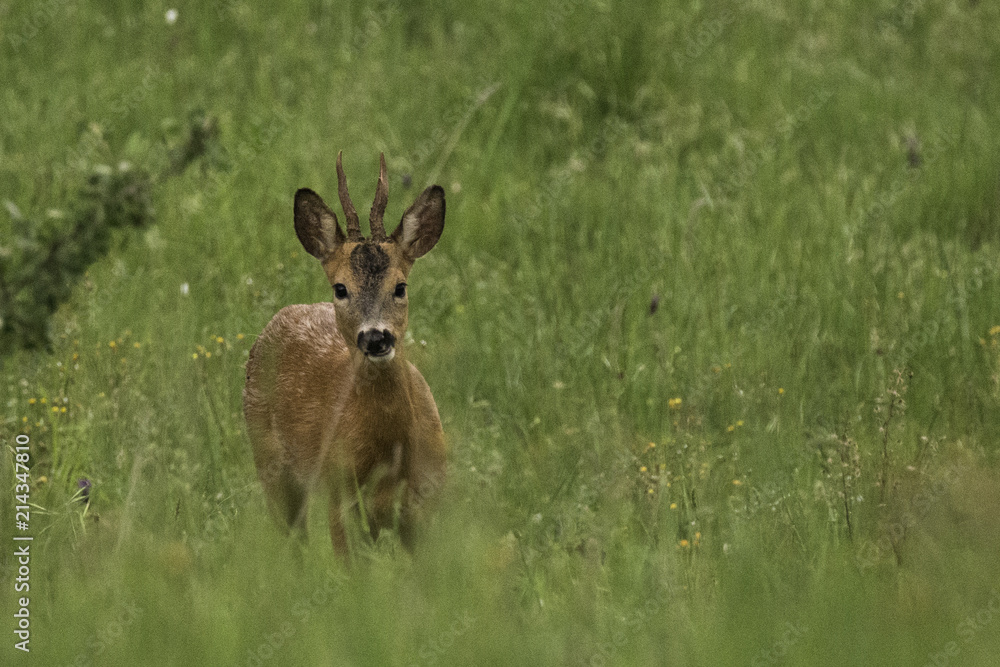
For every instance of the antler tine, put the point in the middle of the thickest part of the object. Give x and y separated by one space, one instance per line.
353 224
381 199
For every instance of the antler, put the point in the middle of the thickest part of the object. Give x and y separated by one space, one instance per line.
381 199
353 224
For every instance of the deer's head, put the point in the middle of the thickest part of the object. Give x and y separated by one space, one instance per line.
368 276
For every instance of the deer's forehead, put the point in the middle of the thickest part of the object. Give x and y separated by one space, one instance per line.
367 264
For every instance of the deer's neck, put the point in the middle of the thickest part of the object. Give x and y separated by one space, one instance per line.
384 387
381 410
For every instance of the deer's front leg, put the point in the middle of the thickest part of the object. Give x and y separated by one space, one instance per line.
338 533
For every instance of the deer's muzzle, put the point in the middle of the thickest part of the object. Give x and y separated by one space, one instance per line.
377 344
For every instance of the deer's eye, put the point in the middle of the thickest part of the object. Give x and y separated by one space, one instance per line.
400 291
340 291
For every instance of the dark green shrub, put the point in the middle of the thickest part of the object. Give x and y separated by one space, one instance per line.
38 270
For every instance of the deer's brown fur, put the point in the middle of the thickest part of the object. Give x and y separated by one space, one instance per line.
330 398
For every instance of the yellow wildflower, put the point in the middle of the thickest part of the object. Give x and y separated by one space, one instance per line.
112 344
781 390
642 469
32 401
239 336
737 482
220 339
673 506
994 330
685 543
730 428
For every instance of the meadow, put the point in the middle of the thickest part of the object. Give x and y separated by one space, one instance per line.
713 328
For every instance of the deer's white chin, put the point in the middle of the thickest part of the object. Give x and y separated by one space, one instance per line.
382 358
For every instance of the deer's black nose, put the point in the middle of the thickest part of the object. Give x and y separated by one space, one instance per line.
375 343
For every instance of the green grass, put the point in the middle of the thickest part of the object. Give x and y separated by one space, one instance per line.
743 166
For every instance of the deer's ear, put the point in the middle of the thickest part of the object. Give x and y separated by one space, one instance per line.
316 225
422 223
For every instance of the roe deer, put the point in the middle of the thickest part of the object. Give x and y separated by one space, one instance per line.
329 396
